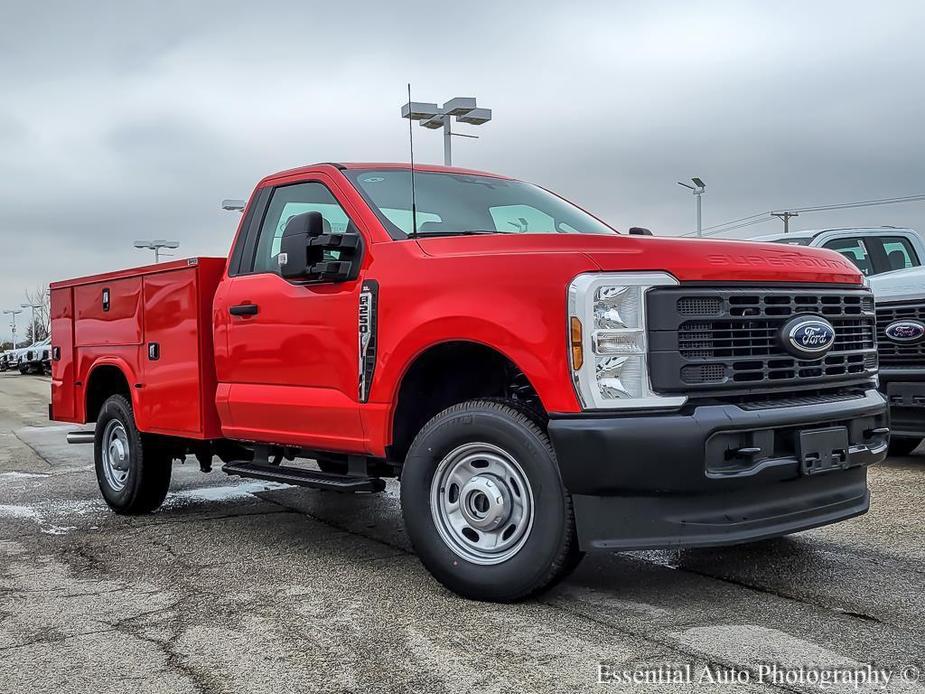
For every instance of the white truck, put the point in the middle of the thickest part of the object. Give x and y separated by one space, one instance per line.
900 305
873 249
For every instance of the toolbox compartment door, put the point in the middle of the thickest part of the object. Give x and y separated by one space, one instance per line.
171 388
62 355
108 313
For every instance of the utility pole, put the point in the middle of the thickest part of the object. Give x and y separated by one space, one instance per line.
697 189
785 218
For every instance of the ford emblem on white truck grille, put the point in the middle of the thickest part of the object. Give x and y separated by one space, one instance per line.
808 337
905 331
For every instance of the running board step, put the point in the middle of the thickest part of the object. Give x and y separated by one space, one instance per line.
305 478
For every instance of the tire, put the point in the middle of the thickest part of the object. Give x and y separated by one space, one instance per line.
536 545
902 445
141 485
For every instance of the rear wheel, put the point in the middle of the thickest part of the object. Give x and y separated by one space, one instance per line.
484 505
133 471
901 445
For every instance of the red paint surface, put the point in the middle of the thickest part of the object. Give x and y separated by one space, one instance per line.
290 373
169 304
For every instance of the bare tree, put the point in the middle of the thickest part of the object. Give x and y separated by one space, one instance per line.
41 298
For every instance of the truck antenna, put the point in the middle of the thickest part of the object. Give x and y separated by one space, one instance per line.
414 211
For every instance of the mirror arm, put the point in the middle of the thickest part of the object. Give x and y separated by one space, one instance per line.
330 270
336 241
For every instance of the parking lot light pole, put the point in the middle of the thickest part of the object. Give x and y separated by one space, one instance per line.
698 188
12 313
156 246
34 324
433 117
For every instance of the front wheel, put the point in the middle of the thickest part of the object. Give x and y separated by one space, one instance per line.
484 504
132 470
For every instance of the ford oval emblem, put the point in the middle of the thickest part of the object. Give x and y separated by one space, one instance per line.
807 337
906 331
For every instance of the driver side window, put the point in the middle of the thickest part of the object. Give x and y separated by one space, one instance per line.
287 202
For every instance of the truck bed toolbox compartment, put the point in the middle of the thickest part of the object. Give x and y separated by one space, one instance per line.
155 325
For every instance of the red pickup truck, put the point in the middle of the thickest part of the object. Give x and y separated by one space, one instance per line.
542 385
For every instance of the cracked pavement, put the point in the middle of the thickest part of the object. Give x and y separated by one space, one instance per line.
243 586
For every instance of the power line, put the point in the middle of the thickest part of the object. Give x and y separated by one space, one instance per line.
742 222
734 221
861 203
745 222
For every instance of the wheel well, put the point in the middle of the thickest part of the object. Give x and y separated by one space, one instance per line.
104 381
448 374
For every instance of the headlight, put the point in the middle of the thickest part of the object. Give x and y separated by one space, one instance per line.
607 340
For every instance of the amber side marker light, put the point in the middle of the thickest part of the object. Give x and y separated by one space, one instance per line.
575 342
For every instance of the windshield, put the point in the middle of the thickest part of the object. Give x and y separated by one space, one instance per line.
449 203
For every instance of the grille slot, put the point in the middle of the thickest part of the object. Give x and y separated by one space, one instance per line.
729 339
893 353
703 373
700 305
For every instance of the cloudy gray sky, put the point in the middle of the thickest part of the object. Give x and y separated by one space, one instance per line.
124 120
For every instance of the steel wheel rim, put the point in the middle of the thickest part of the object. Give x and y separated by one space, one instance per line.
482 503
116 455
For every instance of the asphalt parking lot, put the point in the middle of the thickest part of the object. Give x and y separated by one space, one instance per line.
237 586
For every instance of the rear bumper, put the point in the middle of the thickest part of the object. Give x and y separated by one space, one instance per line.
667 480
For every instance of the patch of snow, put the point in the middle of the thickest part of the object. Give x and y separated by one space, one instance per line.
10 511
58 529
225 492
72 507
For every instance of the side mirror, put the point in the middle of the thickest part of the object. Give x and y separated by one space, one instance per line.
639 231
310 252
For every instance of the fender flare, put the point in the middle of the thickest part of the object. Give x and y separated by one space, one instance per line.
444 330
127 372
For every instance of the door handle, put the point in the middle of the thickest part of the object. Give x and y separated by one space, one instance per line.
243 310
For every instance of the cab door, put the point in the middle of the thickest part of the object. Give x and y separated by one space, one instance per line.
291 368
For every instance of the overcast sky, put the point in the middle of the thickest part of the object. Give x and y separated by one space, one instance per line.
132 120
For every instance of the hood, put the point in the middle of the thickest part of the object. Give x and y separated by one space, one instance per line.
899 284
689 260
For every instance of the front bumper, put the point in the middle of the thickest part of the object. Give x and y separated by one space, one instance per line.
675 479
905 392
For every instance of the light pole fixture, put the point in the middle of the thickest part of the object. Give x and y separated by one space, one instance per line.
462 108
156 246
698 188
13 313
233 205
34 324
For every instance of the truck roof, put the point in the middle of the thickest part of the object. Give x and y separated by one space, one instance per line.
427 168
